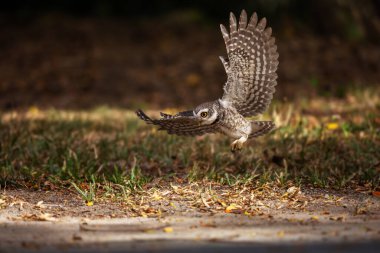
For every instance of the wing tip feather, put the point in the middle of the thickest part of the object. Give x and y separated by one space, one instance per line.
225 33
143 116
253 21
243 20
262 24
233 22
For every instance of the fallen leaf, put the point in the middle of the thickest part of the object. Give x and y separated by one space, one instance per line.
204 201
40 205
259 203
304 204
234 208
168 229
338 218
292 192
222 203
175 187
376 194
156 196
89 203
314 217
332 126
150 210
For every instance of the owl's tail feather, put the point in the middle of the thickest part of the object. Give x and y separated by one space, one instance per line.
261 127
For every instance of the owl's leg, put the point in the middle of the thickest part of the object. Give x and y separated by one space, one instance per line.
238 144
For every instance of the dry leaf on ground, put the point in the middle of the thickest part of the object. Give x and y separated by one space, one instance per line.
234 208
168 229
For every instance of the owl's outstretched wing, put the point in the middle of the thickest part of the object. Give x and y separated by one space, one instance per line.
260 128
251 65
183 123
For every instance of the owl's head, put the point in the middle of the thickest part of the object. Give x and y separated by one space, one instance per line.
207 112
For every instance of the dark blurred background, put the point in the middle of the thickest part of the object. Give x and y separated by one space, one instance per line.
82 54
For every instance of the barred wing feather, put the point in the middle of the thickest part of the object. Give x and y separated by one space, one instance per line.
251 65
179 125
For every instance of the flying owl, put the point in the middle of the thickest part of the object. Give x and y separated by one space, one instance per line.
251 79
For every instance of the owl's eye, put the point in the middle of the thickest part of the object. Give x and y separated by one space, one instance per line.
203 114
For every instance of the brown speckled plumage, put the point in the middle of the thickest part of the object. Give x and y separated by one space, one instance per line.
251 77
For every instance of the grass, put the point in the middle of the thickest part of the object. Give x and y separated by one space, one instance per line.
108 152
87 195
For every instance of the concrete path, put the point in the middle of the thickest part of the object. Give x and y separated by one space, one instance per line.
216 233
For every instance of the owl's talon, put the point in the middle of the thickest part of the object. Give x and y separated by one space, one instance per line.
236 146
